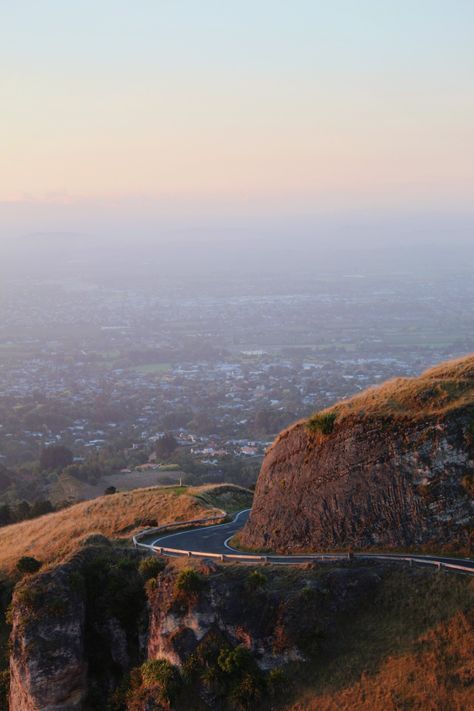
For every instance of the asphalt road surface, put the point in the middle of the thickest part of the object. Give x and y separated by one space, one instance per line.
208 539
216 539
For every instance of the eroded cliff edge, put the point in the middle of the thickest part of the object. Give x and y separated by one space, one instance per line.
393 466
112 629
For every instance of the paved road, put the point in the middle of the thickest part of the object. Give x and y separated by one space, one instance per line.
215 539
208 539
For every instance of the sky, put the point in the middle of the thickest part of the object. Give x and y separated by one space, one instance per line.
233 108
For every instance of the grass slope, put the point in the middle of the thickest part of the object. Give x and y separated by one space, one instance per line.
411 649
446 387
52 537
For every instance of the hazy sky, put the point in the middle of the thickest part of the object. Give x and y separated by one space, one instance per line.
302 105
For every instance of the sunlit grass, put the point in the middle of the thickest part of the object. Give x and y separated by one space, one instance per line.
52 537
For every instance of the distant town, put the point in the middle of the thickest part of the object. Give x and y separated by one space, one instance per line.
108 373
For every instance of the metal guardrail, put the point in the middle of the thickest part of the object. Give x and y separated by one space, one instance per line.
438 564
280 559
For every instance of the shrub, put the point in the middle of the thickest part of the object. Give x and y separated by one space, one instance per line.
28 564
95 539
188 583
235 661
150 567
255 581
322 422
159 673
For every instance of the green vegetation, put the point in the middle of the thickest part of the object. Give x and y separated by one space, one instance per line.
188 584
256 581
322 422
114 588
415 619
228 497
23 511
150 567
230 674
162 677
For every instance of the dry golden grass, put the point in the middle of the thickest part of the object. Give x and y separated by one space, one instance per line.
52 537
446 387
439 390
437 676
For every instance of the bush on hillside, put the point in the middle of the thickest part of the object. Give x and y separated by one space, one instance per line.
322 422
28 564
188 583
150 567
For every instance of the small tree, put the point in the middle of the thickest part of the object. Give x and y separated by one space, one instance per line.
110 490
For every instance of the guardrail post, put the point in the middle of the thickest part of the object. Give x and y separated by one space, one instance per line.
222 557
438 566
188 553
410 562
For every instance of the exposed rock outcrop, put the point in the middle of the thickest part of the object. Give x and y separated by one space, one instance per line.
264 618
47 662
76 630
75 638
393 466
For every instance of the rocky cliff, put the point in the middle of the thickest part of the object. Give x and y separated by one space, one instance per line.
393 466
76 631
84 639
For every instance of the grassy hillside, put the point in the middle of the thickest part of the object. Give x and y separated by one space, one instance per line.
437 391
411 649
50 538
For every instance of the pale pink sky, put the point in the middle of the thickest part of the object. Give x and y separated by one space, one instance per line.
307 104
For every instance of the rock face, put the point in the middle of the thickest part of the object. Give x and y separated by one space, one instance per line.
391 467
75 632
71 651
47 662
266 620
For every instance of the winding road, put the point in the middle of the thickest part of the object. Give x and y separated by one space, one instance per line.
214 541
